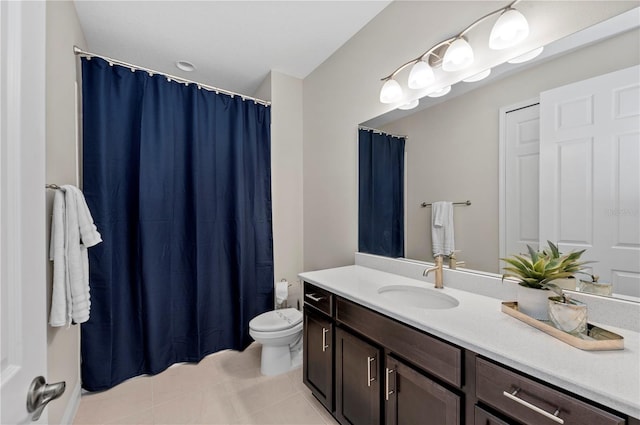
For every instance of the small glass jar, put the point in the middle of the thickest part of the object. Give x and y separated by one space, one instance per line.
570 316
596 288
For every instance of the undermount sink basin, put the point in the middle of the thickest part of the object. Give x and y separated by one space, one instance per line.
414 296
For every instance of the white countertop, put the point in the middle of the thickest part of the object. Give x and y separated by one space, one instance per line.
611 378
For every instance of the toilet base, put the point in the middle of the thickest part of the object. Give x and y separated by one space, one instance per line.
277 359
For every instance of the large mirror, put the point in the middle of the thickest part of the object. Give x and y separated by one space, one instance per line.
454 150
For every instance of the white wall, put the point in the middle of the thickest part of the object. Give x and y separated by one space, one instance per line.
453 148
343 92
63 31
285 92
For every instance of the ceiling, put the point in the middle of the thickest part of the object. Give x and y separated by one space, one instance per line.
233 44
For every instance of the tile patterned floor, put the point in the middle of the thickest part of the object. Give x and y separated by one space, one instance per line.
224 388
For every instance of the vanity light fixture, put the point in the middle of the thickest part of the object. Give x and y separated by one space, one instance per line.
479 76
527 56
421 75
455 53
458 56
409 105
391 91
510 29
441 92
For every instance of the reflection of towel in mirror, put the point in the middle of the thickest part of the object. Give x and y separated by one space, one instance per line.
442 228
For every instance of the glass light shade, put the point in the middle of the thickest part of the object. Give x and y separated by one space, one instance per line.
421 75
510 29
441 92
390 92
409 105
527 56
479 76
459 55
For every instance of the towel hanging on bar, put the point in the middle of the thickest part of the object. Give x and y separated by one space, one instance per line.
467 202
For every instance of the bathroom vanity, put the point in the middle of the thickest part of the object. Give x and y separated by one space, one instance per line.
370 359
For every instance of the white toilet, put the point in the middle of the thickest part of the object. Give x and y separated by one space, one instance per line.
280 333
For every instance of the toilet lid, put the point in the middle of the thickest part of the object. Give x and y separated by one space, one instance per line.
276 320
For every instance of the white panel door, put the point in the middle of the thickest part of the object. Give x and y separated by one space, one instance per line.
590 174
521 147
22 206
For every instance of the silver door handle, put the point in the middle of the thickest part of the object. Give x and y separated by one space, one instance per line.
324 339
369 378
553 416
313 297
387 392
40 394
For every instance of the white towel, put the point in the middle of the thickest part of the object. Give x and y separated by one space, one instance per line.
60 314
72 232
442 236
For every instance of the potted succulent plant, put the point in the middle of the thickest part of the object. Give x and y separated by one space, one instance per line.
536 273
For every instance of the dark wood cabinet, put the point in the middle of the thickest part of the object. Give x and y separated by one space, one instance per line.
413 398
533 403
357 381
318 356
482 417
368 369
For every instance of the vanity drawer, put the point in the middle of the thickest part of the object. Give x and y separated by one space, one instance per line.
318 298
533 403
430 354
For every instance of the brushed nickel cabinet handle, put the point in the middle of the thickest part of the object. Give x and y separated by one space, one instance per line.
314 297
369 378
387 392
514 396
324 339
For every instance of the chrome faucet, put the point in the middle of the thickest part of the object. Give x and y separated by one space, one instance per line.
438 269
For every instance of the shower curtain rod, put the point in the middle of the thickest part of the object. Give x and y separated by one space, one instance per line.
79 52
375 130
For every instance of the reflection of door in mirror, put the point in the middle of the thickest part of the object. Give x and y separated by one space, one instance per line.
380 193
519 187
590 182
571 175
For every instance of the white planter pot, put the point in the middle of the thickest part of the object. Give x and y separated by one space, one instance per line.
534 302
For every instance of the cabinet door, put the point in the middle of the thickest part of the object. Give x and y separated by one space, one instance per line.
357 380
412 398
482 417
318 357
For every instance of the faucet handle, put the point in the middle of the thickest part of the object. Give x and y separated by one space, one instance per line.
453 261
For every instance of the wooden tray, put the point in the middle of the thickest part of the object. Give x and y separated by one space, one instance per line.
594 339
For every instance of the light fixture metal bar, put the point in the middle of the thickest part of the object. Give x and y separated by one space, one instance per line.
448 41
79 52
419 58
488 15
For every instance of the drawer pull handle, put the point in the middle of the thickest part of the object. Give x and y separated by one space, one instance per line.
324 339
553 416
314 297
387 392
369 378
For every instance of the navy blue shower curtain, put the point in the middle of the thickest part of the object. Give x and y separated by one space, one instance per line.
178 181
381 193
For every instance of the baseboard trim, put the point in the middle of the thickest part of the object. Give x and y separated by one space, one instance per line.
72 406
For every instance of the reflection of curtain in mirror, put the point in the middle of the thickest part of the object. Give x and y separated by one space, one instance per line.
381 194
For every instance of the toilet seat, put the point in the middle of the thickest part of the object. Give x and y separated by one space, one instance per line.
276 320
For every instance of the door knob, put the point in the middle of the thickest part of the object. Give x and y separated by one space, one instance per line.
40 394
